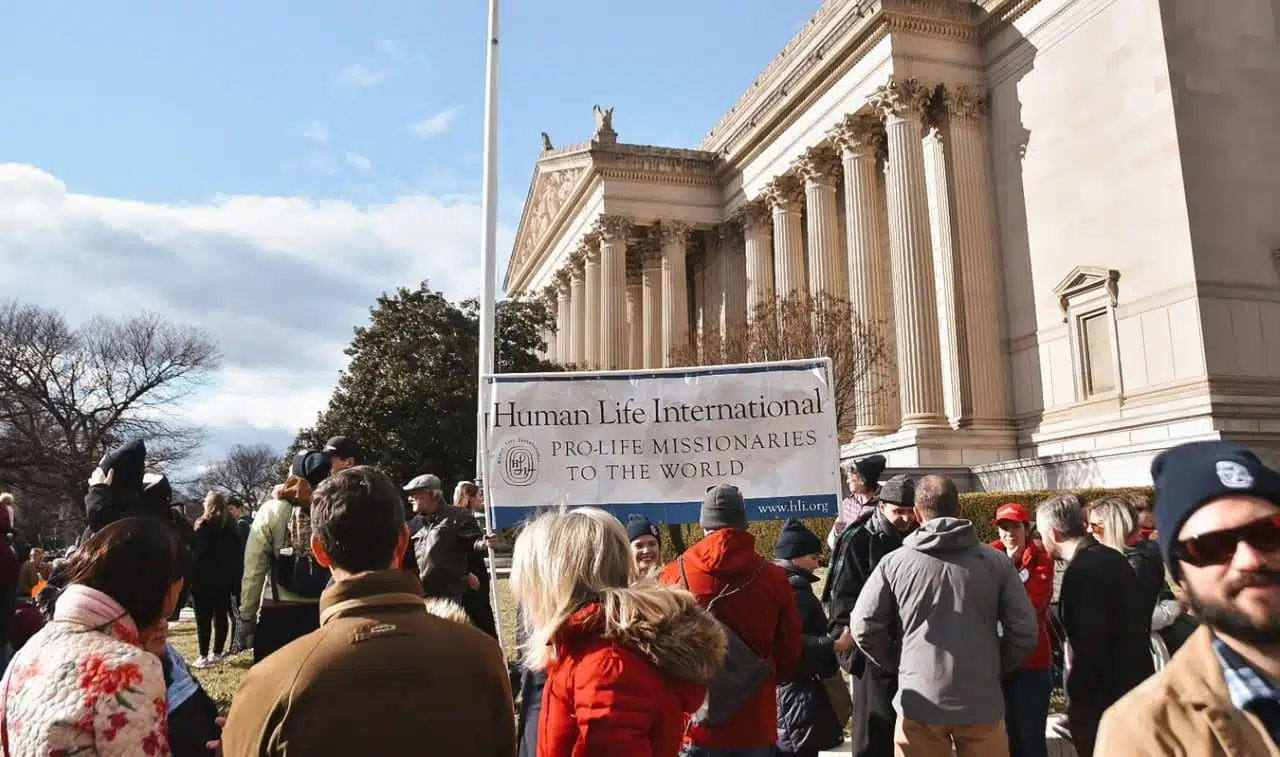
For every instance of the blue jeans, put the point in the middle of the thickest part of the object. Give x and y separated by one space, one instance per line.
700 751
1026 712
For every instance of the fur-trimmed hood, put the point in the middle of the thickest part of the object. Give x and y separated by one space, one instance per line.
683 642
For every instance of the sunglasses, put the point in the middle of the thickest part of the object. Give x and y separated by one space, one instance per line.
1219 547
1097 530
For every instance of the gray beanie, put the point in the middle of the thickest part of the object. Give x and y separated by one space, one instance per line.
899 490
723 507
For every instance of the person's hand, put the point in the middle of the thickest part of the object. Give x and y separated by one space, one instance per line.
844 643
472 581
491 541
244 633
99 478
215 746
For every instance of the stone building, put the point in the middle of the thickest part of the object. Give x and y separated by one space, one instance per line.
1067 212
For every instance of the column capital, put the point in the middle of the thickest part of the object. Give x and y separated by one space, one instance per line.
562 282
649 251
675 232
820 165
785 193
861 135
902 99
963 103
590 247
635 262
549 295
577 264
730 232
754 215
613 227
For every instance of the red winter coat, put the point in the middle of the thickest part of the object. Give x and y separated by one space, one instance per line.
627 696
1036 572
764 616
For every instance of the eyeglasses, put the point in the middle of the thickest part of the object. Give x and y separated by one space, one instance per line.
1219 547
1097 529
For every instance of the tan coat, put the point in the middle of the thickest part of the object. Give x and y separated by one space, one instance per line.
381 677
1184 710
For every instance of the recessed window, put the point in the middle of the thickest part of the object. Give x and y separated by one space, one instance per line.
1099 360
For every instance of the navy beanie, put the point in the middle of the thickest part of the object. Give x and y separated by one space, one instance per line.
311 465
796 540
1191 475
638 525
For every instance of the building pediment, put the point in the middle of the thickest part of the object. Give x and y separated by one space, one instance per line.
554 182
1084 279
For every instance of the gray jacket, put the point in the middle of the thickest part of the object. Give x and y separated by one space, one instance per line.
933 612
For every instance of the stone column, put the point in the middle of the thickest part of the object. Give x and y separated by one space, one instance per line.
757 227
697 268
578 310
786 197
713 290
903 104
651 284
614 231
564 319
591 290
548 297
733 280
635 318
675 290
861 140
820 168
980 271
940 190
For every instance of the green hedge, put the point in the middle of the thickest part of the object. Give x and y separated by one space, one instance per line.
979 507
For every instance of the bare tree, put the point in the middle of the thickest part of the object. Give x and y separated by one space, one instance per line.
247 472
799 326
69 394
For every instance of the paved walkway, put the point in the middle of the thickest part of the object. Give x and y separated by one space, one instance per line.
1058 747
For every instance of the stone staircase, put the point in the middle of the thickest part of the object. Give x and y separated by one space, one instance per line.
1058 746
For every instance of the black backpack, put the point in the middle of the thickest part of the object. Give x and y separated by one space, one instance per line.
741 675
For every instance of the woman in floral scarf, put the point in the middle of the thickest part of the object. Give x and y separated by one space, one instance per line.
90 683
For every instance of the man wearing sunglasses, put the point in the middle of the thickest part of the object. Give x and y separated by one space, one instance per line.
1218 520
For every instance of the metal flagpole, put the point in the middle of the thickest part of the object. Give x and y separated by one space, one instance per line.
488 262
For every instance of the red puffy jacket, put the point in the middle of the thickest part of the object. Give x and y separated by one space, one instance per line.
1036 572
764 616
626 696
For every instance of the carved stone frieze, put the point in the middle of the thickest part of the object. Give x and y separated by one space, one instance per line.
861 134
676 232
549 195
785 193
614 227
820 165
902 99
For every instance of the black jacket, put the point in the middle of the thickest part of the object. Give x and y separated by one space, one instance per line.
806 722
1148 567
442 545
858 551
1101 607
219 556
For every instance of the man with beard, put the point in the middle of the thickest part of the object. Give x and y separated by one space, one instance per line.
1218 520
1102 612
858 551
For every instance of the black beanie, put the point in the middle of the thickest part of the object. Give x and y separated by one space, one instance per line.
796 540
1190 476
311 465
638 525
129 460
871 468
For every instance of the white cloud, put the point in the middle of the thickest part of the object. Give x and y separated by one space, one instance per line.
358 161
280 282
437 124
392 50
357 75
317 133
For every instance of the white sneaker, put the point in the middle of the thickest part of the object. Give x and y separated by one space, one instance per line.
215 660
202 663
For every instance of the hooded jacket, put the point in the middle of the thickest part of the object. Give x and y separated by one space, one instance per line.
932 612
627 694
858 551
764 616
806 721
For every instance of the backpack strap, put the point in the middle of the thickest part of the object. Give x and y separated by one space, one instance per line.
730 591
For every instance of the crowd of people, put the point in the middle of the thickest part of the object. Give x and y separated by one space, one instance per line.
1163 627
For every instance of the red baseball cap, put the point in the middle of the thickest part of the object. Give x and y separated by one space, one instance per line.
1014 512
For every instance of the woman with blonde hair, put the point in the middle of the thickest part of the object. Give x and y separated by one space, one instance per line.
467 496
218 556
624 662
1115 522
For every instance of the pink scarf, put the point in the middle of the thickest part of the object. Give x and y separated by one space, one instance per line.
94 609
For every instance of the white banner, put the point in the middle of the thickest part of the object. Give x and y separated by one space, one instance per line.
651 443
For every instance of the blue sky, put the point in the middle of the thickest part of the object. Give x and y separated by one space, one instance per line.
268 168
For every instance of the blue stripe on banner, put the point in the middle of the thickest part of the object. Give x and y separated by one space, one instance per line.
519 378
759 508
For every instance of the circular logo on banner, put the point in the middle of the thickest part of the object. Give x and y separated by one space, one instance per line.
519 462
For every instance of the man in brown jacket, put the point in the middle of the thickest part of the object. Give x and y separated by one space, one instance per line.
381 676
1218 520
